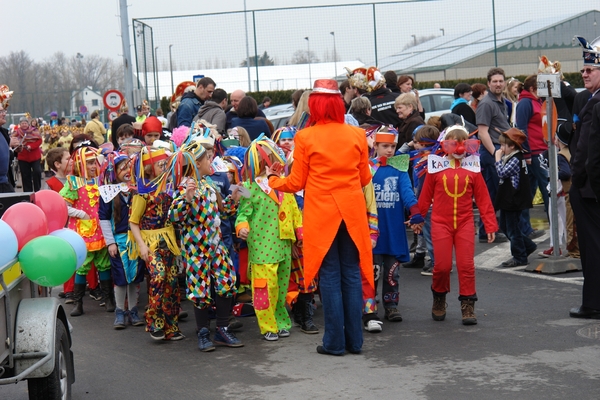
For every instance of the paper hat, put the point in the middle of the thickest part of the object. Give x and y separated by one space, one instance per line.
195 147
391 136
325 86
151 124
108 172
153 155
81 156
375 79
516 135
5 95
287 132
260 152
183 87
357 77
591 51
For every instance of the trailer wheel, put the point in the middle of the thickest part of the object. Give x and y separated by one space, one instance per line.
57 385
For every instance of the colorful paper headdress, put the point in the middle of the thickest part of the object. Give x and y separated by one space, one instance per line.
287 132
151 124
389 135
357 77
261 151
591 51
183 87
5 95
375 79
81 155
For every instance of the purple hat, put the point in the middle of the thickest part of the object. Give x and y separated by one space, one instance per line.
54 114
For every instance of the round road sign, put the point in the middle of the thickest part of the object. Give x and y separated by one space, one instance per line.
112 114
113 99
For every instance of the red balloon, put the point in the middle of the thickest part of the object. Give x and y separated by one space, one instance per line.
27 220
54 206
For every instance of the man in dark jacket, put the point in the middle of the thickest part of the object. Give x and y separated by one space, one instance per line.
382 100
192 101
585 188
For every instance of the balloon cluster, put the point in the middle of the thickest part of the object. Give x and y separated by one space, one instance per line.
34 232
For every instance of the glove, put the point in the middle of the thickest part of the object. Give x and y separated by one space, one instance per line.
416 219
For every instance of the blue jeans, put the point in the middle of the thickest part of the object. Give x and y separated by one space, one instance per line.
520 244
341 295
490 175
427 235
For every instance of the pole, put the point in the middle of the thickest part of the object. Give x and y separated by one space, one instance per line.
156 94
334 56
255 52
171 68
553 176
309 66
375 34
126 53
247 48
495 44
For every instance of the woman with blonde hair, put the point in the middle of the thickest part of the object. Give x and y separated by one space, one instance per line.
511 98
302 108
407 108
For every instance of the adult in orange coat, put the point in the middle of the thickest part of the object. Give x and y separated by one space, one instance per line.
331 164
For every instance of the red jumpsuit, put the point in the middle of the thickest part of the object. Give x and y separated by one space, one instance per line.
452 191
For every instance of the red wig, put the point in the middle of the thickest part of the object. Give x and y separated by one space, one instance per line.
326 108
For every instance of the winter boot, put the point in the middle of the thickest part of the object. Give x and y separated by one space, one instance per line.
438 311
418 261
119 319
134 318
297 312
306 324
226 338
108 295
78 294
467 307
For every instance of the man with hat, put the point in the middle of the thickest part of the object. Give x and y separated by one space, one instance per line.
585 188
332 164
382 99
513 195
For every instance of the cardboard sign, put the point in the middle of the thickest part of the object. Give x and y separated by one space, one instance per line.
542 85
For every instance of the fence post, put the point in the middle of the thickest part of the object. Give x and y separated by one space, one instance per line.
375 33
255 52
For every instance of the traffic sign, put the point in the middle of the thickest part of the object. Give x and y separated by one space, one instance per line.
544 115
113 99
83 110
112 115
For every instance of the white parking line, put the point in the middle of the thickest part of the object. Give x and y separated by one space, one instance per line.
491 259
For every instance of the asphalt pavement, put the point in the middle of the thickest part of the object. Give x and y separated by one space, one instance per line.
524 346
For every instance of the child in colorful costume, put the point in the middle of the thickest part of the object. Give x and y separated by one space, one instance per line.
83 198
300 293
196 209
393 194
152 238
115 201
451 184
270 221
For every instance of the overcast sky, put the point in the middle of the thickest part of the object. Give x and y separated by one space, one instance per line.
43 27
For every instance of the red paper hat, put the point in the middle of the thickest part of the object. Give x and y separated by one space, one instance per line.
326 86
375 79
181 89
151 124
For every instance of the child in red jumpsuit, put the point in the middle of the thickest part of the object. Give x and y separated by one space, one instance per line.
451 184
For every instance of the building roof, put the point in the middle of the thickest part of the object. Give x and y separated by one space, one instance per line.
446 51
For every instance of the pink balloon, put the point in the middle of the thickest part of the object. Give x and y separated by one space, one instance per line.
54 207
27 220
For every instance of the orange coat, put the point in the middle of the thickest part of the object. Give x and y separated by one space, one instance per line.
331 164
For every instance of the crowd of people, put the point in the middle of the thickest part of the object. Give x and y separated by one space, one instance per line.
258 221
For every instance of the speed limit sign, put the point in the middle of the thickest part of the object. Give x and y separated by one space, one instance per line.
113 99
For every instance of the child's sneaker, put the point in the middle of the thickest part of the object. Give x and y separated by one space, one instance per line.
175 337
271 336
549 252
226 338
283 333
96 294
374 326
134 318
204 343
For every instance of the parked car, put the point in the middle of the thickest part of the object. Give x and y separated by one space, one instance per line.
279 115
436 101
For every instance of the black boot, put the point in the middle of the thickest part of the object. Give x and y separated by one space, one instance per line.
297 312
78 294
108 295
418 261
305 304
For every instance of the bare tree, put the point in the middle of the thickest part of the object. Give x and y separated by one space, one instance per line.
304 57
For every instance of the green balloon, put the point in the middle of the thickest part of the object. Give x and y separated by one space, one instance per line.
48 260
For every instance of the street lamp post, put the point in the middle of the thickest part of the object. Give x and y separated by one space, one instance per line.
414 38
79 57
309 66
171 68
334 55
443 32
156 75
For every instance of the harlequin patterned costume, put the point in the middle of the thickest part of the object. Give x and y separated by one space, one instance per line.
206 260
151 212
274 222
83 195
451 185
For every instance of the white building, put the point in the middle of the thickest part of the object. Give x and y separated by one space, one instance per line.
87 97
